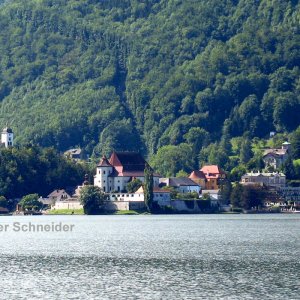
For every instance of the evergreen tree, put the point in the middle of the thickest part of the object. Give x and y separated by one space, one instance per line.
236 196
225 191
148 187
246 151
289 168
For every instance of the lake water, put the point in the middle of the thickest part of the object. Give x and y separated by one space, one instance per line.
152 257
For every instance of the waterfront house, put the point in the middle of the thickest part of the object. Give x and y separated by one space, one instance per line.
122 167
274 179
214 176
58 195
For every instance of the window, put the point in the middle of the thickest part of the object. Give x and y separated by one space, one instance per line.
104 189
99 171
103 172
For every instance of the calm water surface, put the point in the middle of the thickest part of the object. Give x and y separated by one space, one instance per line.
153 257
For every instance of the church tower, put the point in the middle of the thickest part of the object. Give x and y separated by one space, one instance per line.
7 137
101 179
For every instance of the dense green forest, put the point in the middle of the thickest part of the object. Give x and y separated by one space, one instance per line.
33 169
191 80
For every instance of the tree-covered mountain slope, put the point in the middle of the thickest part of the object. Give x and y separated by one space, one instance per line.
140 75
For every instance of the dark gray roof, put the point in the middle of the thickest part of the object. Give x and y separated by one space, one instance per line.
182 181
7 130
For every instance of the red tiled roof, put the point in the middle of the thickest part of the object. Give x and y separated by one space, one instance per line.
129 164
157 190
104 162
211 169
197 175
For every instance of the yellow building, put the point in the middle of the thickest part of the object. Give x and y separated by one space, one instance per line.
199 178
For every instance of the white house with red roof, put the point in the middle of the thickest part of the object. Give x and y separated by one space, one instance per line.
114 174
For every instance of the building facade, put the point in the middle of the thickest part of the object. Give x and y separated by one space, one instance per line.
198 177
7 137
275 180
181 184
114 174
276 157
162 197
214 177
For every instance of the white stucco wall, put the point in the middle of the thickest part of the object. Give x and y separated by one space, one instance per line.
67 205
189 189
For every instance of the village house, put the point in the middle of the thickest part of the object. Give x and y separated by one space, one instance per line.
275 180
114 174
63 200
7 137
74 154
181 184
199 177
276 157
214 177
58 195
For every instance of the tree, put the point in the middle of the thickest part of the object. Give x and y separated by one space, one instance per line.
171 159
134 185
31 202
225 191
182 173
246 151
236 195
92 198
148 187
295 143
289 169
197 137
253 196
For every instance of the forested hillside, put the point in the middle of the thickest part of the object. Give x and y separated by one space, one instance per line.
142 75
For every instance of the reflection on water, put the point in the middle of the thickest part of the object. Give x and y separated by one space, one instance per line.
153 257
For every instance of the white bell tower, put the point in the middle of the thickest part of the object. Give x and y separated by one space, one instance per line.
101 179
7 137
